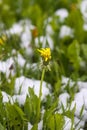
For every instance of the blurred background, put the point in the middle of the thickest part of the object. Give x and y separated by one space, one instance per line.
60 25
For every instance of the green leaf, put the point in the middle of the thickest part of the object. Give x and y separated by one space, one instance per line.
70 113
73 53
35 127
1 127
84 50
57 87
55 122
59 121
15 115
30 106
19 112
81 111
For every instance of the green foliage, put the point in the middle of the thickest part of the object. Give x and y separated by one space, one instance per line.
35 127
78 26
11 116
73 54
2 127
2 112
16 117
57 87
30 106
53 121
69 58
8 85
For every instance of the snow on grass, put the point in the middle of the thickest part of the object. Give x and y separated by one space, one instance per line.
62 13
22 84
23 29
65 31
43 40
6 97
68 123
80 122
5 67
83 8
63 98
21 90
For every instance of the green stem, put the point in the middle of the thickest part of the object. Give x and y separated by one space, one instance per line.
42 77
40 94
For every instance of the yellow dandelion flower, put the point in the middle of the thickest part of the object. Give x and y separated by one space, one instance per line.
45 54
3 39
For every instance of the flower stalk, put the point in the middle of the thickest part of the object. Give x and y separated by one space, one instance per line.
40 94
46 56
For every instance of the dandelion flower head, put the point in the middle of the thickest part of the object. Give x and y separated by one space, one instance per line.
45 54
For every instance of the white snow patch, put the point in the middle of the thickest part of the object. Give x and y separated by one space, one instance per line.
68 123
85 27
5 67
25 83
19 98
62 13
29 126
45 41
63 99
79 122
82 85
49 30
23 29
79 102
40 125
6 97
65 31
83 8
15 29
20 60
66 81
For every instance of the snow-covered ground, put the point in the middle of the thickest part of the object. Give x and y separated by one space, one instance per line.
24 28
79 101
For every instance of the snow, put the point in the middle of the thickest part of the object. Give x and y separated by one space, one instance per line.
62 13
29 126
22 83
68 123
6 97
65 31
85 27
49 30
43 40
19 98
83 8
5 66
21 90
16 29
63 99
66 81
20 60
80 122
25 83
82 97
40 125
23 29
80 100
82 85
